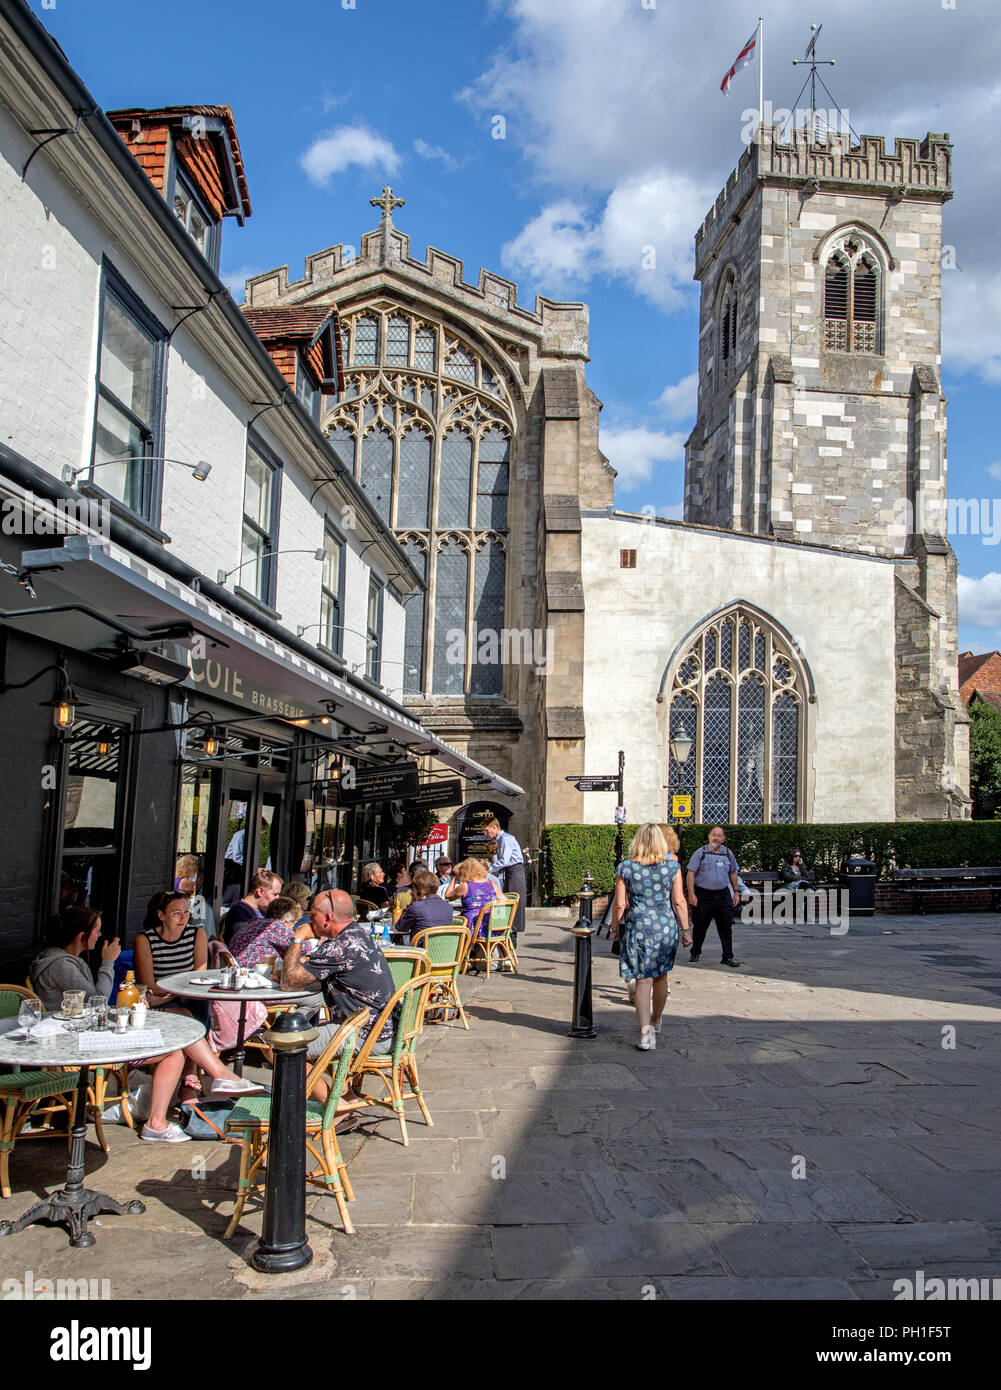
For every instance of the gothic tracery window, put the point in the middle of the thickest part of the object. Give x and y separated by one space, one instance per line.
851 296
726 346
738 694
425 425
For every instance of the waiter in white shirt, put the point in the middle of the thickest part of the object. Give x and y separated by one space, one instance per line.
509 866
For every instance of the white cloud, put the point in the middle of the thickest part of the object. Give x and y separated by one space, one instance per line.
427 151
236 280
971 322
339 149
643 236
980 600
680 401
637 452
994 469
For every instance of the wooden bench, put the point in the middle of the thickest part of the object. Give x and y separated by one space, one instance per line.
923 883
757 878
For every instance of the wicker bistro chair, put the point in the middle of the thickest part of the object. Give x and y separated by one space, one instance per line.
399 1065
497 941
447 948
22 1093
250 1119
405 962
362 905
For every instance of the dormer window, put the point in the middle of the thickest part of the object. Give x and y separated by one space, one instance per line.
307 388
195 218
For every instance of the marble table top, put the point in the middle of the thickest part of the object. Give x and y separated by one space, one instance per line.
64 1049
189 985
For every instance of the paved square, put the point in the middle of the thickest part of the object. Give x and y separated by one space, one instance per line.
816 1124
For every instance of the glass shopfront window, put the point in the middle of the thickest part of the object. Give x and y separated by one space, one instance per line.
91 849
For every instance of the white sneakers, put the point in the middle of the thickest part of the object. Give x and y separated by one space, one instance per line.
648 1039
173 1134
234 1086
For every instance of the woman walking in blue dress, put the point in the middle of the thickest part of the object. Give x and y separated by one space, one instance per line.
647 909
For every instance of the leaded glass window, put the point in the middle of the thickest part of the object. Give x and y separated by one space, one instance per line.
377 470
751 751
424 343
434 451
492 484
366 342
460 365
413 641
785 757
487 677
342 441
743 703
398 342
414 493
450 620
454 480
716 757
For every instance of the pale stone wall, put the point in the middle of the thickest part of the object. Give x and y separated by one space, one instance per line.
840 609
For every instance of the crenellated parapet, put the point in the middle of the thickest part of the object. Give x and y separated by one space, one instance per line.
917 169
559 328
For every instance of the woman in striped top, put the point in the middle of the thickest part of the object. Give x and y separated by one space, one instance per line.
168 943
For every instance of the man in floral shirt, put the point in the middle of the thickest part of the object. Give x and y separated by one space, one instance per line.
349 966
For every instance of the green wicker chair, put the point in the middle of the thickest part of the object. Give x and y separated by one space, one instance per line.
404 963
399 1065
447 948
497 941
251 1116
21 1094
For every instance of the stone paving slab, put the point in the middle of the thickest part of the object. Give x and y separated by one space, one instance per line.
800 1132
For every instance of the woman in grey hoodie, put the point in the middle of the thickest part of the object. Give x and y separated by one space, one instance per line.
61 967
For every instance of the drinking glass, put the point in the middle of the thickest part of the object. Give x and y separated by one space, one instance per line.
28 1015
73 1002
98 1006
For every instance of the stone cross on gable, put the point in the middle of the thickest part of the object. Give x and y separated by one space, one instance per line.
387 202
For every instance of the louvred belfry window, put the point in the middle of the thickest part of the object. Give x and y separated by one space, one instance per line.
851 298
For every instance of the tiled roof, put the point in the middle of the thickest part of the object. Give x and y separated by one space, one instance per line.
298 321
174 115
969 664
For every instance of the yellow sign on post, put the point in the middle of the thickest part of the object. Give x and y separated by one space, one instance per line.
681 807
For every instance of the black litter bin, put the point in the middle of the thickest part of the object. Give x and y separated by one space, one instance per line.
858 875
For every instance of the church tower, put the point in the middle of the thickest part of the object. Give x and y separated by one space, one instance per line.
821 418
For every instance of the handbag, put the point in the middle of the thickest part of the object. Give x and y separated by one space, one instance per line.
206 1119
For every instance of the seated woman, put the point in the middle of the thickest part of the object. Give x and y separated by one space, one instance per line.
373 885
60 967
301 896
170 943
472 888
794 872
426 909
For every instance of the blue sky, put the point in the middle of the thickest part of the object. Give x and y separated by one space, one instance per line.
615 133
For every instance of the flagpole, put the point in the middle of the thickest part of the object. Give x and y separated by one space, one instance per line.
761 75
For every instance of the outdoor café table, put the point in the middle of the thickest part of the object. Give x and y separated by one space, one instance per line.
188 986
74 1204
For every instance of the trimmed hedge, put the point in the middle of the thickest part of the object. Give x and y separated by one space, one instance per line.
570 851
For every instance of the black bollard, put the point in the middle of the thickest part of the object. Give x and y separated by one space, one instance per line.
583 1013
283 1246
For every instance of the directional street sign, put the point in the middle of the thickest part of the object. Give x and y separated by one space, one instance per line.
595 784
